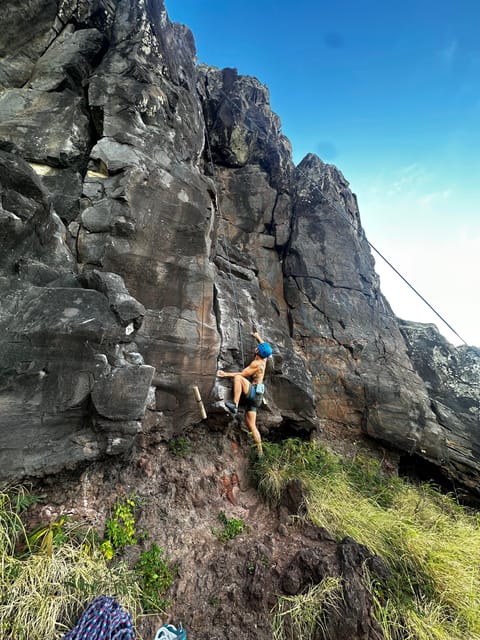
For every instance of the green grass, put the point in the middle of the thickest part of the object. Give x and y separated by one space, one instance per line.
429 542
301 616
49 575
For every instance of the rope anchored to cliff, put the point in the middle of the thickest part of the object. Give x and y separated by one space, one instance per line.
334 206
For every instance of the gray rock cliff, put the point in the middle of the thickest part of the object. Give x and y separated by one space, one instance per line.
150 215
451 378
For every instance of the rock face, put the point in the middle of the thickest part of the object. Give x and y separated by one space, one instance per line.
67 351
451 377
151 215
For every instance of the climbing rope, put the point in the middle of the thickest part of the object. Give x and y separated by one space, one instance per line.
103 619
343 214
417 292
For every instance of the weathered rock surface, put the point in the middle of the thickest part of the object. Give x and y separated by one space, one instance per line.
357 355
150 217
167 195
252 165
451 377
61 372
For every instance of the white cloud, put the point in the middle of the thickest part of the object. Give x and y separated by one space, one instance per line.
426 228
406 179
432 198
448 53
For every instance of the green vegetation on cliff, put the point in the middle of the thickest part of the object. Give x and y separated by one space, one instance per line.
49 575
429 542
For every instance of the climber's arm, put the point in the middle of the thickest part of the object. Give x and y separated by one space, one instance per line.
249 371
257 337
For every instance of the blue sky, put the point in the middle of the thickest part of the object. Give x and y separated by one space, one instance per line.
389 92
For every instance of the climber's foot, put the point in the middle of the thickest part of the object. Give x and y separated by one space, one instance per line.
232 408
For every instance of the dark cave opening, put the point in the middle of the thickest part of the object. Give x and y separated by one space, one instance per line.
418 470
288 429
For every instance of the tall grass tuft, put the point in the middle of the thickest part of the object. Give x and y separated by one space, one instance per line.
302 615
430 543
11 525
43 592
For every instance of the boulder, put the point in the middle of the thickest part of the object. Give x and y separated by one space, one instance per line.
356 352
45 128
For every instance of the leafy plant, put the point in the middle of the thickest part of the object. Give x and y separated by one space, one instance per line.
251 566
232 527
180 446
156 576
120 529
214 601
21 498
43 537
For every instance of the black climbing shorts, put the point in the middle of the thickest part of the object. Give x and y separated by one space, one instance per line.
254 398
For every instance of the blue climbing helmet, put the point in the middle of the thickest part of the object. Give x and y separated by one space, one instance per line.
264 350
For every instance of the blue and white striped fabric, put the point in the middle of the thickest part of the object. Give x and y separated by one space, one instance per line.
103 619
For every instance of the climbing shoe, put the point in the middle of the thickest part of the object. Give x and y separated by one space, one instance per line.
170 632
232 408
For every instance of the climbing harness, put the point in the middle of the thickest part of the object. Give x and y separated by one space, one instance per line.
103 619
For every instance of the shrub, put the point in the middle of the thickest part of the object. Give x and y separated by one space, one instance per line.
156 576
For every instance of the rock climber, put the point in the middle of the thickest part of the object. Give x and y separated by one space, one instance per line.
249 384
